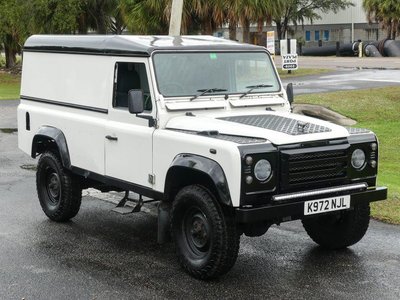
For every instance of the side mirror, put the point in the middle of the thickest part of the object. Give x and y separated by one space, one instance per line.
135 101
289 93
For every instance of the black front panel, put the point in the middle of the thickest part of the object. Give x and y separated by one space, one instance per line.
313 167
308 166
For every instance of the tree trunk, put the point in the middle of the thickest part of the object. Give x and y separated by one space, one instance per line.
394 29
206 27
389 31
246 31
101 23
232 30
82 26
10 56
260 27
279 29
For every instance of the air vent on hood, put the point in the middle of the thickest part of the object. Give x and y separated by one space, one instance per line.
226 137
278 123
353 130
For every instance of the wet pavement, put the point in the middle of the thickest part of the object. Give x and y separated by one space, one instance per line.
8 113
103 255
333 62
344 79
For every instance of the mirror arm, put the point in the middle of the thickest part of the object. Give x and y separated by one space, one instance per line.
152 121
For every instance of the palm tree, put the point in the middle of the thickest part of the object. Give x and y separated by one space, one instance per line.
152 16
203 11
146 16
387 13
245 12
98 14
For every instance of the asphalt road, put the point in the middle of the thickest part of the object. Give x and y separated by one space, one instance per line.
344 79
8 113
332 62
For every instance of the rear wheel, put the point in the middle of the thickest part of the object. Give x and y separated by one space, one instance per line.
337 231
59 191
205 235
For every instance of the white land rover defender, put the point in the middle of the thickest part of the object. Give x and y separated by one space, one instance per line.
200 124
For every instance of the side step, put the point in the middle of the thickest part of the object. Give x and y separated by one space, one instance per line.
124 209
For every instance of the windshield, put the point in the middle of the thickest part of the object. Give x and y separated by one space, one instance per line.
211 73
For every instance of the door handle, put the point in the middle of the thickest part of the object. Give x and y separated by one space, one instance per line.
111 138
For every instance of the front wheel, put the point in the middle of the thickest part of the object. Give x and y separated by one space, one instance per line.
337 231
59 191
205 235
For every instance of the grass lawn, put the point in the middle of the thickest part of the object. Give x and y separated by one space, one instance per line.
379 111
9 86
302 72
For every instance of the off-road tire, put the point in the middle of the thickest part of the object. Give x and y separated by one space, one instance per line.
59 191
339 231
221 249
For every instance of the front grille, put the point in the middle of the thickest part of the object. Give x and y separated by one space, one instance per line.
312 168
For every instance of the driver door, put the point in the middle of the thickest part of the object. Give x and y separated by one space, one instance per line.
128 138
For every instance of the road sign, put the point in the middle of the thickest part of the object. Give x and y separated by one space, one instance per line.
288 46
289 62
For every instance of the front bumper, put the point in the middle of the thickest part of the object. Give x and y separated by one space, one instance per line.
295 210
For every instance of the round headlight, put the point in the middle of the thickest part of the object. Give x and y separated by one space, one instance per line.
358 159
262 170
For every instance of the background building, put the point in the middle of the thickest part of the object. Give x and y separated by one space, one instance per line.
344 26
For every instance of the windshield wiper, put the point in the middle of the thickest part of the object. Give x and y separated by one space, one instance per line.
206 91
254 87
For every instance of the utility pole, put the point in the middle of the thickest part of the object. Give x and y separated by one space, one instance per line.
352 25
176 18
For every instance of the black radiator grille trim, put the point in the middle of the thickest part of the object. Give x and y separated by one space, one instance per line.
304 169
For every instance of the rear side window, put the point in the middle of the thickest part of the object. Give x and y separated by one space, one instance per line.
130 76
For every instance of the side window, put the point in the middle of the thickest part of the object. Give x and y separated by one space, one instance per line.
316 35
130 76
326 35
308 35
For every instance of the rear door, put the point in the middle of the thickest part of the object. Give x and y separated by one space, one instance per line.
128 138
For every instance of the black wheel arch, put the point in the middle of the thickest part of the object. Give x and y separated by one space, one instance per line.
49 137
187 169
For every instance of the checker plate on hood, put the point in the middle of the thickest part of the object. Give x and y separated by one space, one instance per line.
278 123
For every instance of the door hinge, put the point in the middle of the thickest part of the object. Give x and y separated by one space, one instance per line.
152 178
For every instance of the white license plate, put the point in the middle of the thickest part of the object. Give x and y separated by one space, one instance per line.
325 205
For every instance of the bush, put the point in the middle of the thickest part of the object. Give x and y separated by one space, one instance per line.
2 61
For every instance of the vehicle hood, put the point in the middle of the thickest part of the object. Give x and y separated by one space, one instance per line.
279 128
